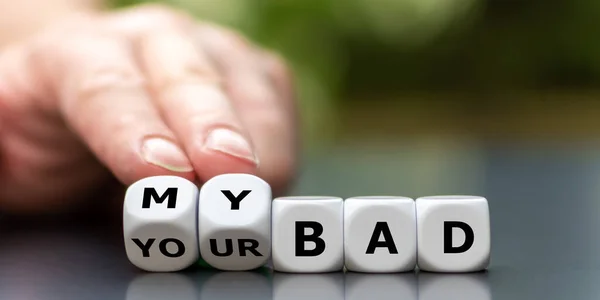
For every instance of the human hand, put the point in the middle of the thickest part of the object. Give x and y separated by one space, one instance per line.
136 93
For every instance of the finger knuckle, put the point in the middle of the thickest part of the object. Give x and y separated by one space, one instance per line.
281 76
236 39
208 119
104 80
277 65
226 38
164 15
18 85
109 77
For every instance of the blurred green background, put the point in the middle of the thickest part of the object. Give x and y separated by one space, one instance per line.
390 69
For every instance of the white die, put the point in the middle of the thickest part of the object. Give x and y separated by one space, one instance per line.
308 234
159 223
308 286
234 222
453 233
381 286
380 234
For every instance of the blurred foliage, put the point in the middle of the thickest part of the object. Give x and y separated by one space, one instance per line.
344 50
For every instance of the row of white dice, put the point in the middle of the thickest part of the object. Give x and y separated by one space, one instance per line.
233 223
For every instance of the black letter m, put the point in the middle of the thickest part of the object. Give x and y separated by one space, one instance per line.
150 193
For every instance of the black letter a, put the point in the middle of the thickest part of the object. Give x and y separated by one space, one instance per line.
469 237
150 193
388 240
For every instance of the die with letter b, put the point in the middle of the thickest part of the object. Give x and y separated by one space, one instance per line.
308 234
159 223
453 233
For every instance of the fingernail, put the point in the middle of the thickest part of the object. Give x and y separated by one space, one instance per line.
231 143
163 153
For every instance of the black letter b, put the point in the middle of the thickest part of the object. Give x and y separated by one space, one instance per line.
314 237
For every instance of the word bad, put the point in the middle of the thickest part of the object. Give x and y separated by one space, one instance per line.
233 223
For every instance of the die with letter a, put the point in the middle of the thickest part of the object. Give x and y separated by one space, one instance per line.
380 234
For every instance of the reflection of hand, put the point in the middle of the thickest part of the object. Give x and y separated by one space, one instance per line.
133 94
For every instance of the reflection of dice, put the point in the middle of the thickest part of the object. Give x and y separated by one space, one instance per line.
235 285
328 286
433 286
380 234
453 233
159 223
152 287
308 234
234 222
396 286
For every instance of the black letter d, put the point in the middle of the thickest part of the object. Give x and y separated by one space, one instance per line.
469 237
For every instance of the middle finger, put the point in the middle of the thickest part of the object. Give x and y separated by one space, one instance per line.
188 93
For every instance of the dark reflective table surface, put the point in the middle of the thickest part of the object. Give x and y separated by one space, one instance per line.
545 212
